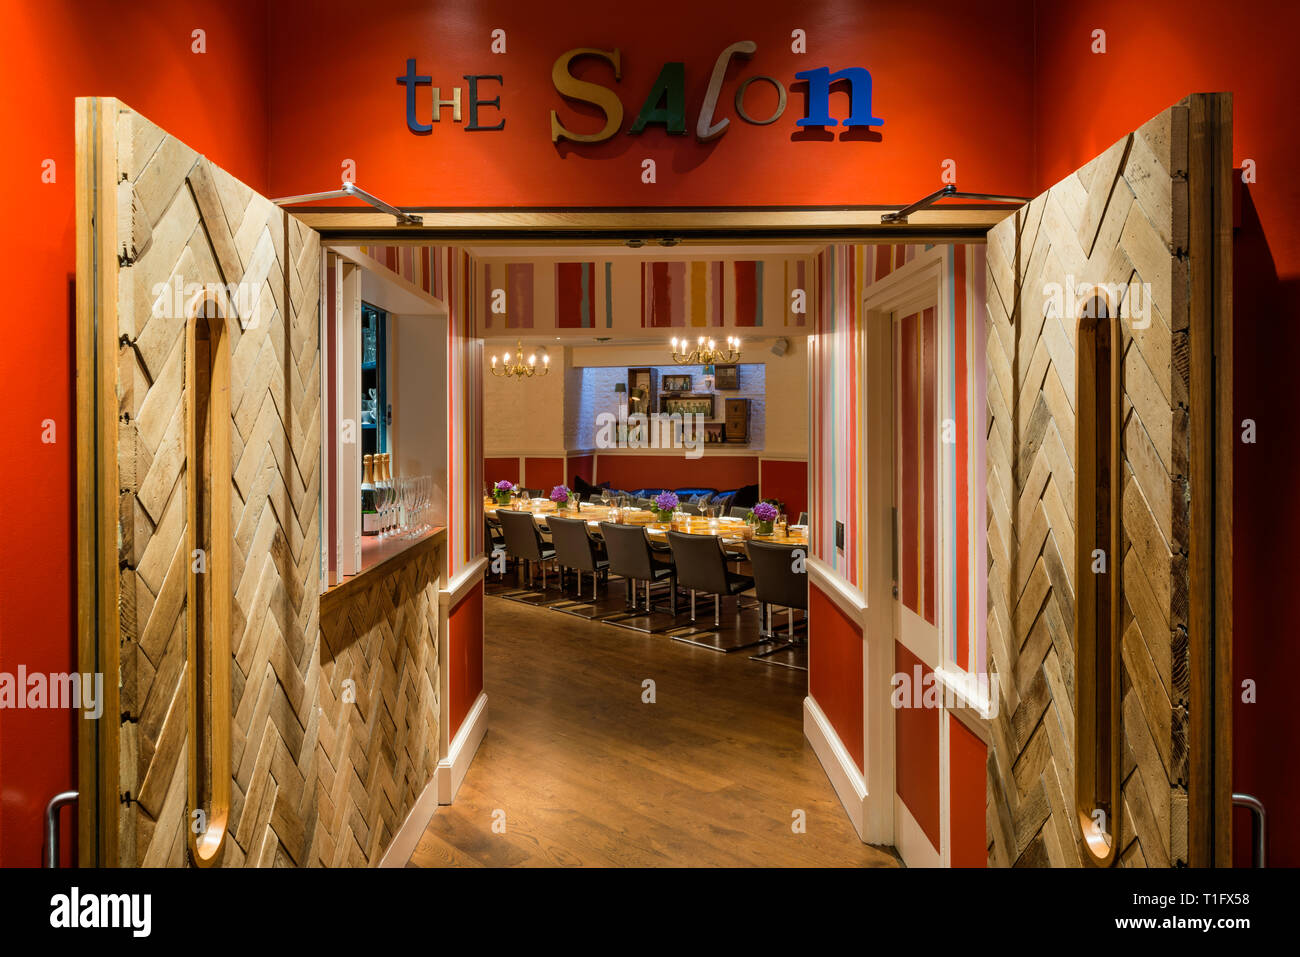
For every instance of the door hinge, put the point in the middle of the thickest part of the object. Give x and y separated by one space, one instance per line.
125 798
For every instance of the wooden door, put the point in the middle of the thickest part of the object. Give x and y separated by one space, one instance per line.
1109 505
199 437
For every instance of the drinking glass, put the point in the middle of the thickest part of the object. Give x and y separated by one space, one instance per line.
605 498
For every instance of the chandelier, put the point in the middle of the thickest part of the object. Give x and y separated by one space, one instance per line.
706 352
517 367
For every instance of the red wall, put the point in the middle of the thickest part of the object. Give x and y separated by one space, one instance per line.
52 52
786 482
584 465
835 670
465 656
916 746
543 473
722 472
949 82
967 796
501 470
1083 103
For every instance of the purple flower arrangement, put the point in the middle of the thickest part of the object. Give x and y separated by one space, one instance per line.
504 486
765 512
560 494
666 501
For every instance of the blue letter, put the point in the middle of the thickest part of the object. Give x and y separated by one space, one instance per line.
411 81
819 96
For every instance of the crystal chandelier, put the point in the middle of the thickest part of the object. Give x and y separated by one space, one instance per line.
706 352
517 367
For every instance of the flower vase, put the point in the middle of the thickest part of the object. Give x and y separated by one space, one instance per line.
763 528
503 498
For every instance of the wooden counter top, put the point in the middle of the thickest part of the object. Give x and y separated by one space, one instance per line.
379 558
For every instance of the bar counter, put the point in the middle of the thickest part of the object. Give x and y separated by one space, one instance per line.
380 558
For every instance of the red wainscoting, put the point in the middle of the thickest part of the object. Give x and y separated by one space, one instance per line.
543 473
676 471
501 470
465 657
967 756
835 670
916 750
584 465
787 482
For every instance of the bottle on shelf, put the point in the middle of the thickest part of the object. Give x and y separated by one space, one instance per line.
369 514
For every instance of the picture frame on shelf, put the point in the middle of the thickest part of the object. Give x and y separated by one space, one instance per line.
689 405
726 378
677 383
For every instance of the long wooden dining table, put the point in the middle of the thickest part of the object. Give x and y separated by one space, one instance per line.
733 532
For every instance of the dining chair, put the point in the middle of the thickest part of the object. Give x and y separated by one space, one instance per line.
576 549
524 542
702 566
776 582
690 508
803 518
492 539
739 511
630 555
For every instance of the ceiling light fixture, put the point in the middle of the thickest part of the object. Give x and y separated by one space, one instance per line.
517 367
705 353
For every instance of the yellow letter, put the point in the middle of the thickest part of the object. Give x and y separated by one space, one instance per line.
567 85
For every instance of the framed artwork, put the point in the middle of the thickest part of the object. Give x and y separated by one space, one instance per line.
726 377
677 383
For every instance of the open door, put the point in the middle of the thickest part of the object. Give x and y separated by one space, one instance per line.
1110 505
198 510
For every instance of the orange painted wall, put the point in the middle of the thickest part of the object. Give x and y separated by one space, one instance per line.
786 482
465 656
50 53
949 82
722 472
505 469
1083 103
835 670
543 472
916 749
967 796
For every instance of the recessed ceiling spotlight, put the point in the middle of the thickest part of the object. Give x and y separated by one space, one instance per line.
636 243
669 241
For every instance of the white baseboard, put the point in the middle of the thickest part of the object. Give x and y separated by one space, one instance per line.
453 767
913 846
403 844
849 783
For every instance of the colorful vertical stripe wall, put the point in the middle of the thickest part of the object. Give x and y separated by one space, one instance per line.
575 295
941 392
681 294
423 266
508 296
464 416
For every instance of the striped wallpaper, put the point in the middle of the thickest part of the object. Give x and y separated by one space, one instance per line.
515 280
464 417
422 266
940 374
681 294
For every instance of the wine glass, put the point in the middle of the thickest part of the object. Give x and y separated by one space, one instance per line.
605 498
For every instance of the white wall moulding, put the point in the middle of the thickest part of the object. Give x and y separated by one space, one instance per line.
849 783
849 599
455 765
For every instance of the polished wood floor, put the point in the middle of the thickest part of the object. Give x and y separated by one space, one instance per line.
581 772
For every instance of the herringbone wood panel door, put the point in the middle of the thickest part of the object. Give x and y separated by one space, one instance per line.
1122 220
185 225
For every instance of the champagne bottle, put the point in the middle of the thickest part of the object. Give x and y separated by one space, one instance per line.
369 514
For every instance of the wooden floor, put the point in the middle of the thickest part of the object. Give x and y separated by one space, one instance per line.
584 773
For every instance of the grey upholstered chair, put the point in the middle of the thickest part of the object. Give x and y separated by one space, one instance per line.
576 549
702 566
630 555
524 542
777 583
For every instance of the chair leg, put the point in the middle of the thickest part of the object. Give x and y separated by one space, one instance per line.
692 604
717 611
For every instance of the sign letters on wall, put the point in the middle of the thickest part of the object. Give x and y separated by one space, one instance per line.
664 104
